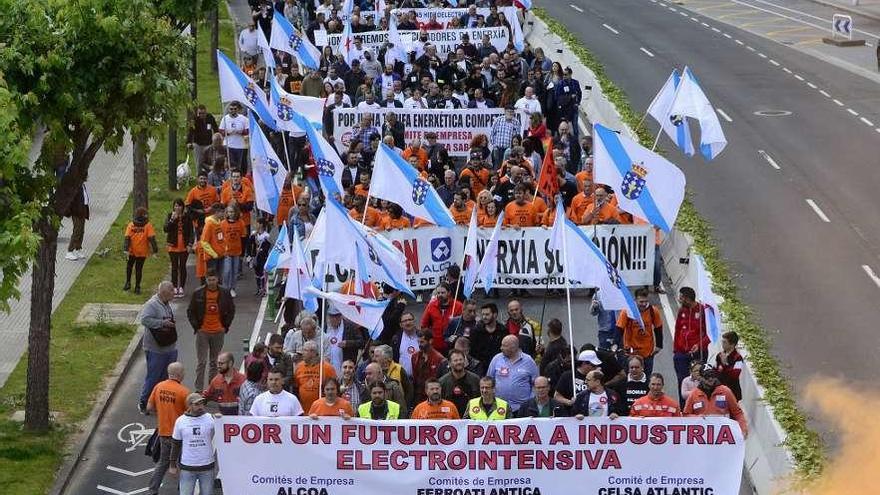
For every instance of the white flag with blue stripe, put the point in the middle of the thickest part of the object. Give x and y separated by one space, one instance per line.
298 276
470 264
711 308
285 38
396 180
585 263
359 310
268 171
268 56
675 126
284 104
235 85
327 160
646 184
690 101
397 50
280 253
489 265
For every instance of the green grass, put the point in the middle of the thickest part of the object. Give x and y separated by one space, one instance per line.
804 444
81 356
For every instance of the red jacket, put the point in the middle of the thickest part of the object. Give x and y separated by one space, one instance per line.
690 330
225 394
436 319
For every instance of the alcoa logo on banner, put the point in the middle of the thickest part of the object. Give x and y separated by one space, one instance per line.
441 249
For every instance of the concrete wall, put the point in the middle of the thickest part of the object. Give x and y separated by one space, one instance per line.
767 460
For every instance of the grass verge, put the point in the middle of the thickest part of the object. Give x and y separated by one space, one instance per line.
804 444
81 356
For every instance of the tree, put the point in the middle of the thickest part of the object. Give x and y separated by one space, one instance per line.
88 71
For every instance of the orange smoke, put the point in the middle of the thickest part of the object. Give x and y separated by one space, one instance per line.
853 469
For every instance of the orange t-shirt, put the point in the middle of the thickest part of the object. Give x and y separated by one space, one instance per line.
461 217
361 190
539 206
444 410
421 222
212 322
548 217
519 215
484 220
207 195
640 340
373 220
286 201
232 234
243 195
479 179
649 407
338 408
179 246
308 381
606 213
389 223
578 207
212 234
139 246
169 400
421 153
581 176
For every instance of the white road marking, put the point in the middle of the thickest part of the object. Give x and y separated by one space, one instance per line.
811 85
798 77
683 14
695 19
800 13
724 114
878 130
575 7
866 121
786 69
129 473
738 42
750 48
117 492
673 9
852 112
258 324
646 51
727 36
716 30
704 24
606 26
769 159
762 55
821 214
838 102
824 93
774 62
873 276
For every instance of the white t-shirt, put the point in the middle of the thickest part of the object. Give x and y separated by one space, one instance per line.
528 106
598 405
409 345
234 126
415 103
196 433
274 405
368 106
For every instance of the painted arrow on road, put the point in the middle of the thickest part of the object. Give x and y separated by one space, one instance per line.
118 492
130 473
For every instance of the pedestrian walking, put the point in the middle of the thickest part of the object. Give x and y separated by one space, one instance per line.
201 131
234 239
160 339
78 212
225 387
192 453
140 242
210 312
168 400
179 238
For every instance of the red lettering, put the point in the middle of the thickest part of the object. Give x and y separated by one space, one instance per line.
695 435
229 431
611 460
725 436
411 253
348 432
474 432
343 460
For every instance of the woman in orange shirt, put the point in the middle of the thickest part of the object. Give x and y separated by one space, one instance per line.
489 217
395 219
331 404
179 240
234 234
140 242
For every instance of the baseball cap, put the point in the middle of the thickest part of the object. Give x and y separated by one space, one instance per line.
332 311
589 357
195 398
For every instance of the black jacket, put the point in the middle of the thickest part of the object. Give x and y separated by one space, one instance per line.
529 409
616 405
172 226
195 313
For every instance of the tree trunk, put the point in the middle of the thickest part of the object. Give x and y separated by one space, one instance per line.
215 37
36 409
140 187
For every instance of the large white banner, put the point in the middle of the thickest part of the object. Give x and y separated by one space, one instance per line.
525 259
445 40
596 456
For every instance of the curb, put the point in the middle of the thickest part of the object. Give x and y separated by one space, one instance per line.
102 403
848 9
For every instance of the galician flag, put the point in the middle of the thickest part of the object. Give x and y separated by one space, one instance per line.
268 170
711 308
298 276
284 104
675 126
285 38
362 311
489 265
690 101
471 262
263 43
280 253
329 164
235 85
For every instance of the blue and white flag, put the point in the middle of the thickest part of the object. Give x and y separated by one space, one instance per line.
583 262
298 276
690 101
284 104
523 4
359 310
235 85
397 50
489 265
347 9
285 38
470 264
268 56
280 253
646 184
346 42
711 308
329 164
397 181
268 170
675 126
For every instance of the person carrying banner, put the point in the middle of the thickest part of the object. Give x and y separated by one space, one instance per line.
331 404
434 407
655 404
713 399
487 406
192 453
598 401
379 407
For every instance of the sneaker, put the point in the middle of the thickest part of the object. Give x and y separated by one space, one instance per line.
71 255
79 254
232 292
142 408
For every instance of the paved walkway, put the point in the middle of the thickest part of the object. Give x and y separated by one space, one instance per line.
867 8
109 188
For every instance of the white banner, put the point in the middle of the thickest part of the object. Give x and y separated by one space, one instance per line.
525 258
596 456
454 128
445 40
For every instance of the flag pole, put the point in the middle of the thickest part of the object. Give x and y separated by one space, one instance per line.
366 205
321 334
657 139
568 309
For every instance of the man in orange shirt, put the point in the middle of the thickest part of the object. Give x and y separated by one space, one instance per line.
476 172
373 218
242 192
331 404
234 237
210 312
225 387
579 205
415 149
362 188
168 401
645 341
656 404
461 213
199 200
434 407
212 239
602 211
395 219
519 212
308 374
713 399
287 199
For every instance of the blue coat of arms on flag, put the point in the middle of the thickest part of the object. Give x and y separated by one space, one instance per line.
419 191
283 109
325 167
613 274
294 41
634 182
250 92
272 165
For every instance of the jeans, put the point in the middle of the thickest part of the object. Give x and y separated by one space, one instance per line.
231 265
208 346
189 479
178 268
157 371
682 362
162 466
608 334
237 159
215 264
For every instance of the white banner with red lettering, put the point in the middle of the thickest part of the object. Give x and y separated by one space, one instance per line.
596 456
446 40
525 259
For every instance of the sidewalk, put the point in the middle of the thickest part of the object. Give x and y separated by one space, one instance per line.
866 8
109 188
